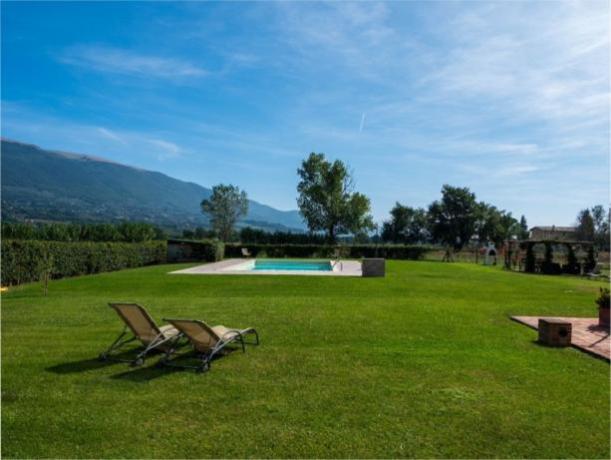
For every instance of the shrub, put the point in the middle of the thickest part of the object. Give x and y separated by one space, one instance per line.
22 259
603 299
357 251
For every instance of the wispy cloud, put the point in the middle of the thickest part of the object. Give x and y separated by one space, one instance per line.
362 125
107 133
26 125
128 62
168 149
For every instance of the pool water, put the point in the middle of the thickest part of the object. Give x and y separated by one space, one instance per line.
300 265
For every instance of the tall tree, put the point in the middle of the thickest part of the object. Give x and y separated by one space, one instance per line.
224 207
327 200
601 217
494 225
406 225
585 225
523 230
453 219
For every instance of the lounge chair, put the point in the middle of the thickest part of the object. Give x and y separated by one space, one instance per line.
207 341
144 329
246 252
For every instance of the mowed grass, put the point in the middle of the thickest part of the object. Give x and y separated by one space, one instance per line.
422 363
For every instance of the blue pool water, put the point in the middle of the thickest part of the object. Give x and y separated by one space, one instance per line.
292 265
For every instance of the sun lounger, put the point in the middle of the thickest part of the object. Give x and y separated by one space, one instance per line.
208 341
144 329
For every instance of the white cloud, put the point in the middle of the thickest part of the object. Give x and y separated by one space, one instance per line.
167 149
127 62
26 125
107 133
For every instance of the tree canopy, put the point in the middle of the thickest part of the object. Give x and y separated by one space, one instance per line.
406 225
593 225
327 200
224 207
453 218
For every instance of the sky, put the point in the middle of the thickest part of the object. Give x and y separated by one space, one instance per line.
510 99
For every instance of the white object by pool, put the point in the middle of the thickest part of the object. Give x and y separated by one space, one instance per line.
276 267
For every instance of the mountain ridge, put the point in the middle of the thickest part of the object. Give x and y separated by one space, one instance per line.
51 185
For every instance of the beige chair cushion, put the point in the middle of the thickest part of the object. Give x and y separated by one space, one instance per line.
222 330
168 331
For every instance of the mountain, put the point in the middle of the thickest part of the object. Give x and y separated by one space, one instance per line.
48 185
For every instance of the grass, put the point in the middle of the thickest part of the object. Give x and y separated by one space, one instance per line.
422 363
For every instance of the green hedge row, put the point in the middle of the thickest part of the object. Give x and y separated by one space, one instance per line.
195 250
356 251
25 260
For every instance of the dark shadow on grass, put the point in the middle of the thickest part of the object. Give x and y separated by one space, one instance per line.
85 365
147 373
189 360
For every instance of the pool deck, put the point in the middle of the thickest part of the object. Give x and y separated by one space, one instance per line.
586 335
238 267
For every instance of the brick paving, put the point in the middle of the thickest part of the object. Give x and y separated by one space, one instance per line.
586 335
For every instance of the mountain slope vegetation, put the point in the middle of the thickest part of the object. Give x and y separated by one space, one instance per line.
39 184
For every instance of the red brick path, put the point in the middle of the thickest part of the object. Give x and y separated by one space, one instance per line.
586 335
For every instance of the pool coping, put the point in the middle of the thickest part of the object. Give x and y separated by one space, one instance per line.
230 267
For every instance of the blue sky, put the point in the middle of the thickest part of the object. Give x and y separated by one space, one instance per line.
508 98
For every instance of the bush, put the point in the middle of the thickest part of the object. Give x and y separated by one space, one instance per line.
357 251
195 250
23 260
603 299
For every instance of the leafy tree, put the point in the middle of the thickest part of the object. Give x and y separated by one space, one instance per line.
224 207
585 225
601 218
327 200
126 231
453 219
406 225
523 229
495 225
136 232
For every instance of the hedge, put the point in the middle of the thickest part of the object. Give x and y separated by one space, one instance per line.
356 251
195 250
22 260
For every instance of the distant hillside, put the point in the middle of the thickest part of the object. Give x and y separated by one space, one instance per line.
47 185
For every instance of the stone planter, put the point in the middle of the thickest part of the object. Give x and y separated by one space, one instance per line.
603 317
373 267
555 332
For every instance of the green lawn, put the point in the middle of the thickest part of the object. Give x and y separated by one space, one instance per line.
422 363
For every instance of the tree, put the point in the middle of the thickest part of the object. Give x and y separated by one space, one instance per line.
453 219
494 225
585 225
224 207
523 229
327 200
406 225
601 218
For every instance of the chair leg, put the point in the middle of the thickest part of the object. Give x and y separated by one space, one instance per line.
116 345
205 365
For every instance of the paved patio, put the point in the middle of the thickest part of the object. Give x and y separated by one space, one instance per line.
586 334
241 267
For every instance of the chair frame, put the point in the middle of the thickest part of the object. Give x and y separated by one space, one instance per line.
127 335
207 357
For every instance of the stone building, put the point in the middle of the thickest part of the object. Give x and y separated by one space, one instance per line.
553 233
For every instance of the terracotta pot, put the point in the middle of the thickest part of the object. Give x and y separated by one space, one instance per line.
603 317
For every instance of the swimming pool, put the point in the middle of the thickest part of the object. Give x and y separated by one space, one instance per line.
276 267
297 265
